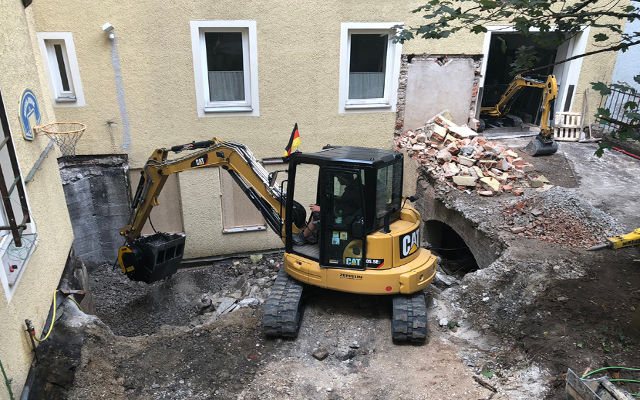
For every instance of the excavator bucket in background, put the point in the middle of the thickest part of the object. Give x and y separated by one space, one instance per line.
541 146
152 258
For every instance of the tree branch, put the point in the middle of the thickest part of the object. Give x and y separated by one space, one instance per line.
590 53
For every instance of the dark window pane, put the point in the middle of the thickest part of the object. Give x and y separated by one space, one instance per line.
367 65
388 191
63 70
225 66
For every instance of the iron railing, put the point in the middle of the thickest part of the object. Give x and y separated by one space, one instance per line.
614 102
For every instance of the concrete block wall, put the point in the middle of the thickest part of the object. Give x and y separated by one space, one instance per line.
96 188
431 83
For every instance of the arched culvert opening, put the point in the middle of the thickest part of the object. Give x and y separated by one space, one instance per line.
456 256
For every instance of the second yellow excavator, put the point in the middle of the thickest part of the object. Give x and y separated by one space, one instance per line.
543 143
368 243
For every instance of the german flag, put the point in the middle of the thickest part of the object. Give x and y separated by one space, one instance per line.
294 141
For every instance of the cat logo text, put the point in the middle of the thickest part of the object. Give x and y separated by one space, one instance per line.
409 243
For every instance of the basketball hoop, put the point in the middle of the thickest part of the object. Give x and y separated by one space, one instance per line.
64 134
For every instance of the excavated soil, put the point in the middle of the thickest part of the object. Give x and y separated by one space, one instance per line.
226 356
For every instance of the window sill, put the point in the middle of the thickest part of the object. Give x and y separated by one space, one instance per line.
228 109
355 106
66 100
245 229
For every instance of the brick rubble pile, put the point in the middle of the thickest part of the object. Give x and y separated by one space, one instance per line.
458 156
560 220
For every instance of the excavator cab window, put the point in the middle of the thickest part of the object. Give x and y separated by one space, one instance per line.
388 191
342 214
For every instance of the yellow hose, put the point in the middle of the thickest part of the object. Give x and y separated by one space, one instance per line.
74 300
53 319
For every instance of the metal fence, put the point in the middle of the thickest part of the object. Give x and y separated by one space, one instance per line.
614 102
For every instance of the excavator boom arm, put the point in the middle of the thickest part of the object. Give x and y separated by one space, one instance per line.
548 99
503 106
233 157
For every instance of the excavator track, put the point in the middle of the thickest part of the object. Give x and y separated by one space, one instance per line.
283 309
409 319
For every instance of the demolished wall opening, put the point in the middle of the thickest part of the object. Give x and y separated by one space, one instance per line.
500 72
456 257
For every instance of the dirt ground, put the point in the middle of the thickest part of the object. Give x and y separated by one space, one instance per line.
543 306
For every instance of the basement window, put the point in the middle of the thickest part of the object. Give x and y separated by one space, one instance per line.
60 62
225 67
17 230
238 212
369 67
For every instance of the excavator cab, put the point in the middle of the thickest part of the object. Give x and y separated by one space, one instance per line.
349 178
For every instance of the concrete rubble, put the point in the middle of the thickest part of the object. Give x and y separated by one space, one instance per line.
456 155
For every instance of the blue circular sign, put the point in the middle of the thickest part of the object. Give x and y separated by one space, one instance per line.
29 113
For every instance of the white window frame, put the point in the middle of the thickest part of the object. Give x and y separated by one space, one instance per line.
60 97
387 103
207 108
7 239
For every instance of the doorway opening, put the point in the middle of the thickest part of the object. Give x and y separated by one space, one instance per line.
501 50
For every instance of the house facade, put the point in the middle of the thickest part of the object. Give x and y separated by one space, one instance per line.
32 264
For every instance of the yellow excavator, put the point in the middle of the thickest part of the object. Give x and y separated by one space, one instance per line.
543 143
617 242
369 246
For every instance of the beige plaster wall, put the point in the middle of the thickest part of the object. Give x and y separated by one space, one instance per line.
298 46
21 68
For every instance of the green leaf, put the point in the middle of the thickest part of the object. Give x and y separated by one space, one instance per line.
478 29
629 9
630 105
601 87
604 112
522 24
487 373
580 344
600 37
488 4
637 78
632 115
599 152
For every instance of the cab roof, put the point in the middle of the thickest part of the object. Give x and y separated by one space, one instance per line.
360 156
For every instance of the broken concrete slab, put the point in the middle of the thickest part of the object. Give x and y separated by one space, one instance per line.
462 132
466 161
450 169
443 156
491 183
320 354
465 180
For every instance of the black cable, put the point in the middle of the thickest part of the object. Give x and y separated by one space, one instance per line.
151 223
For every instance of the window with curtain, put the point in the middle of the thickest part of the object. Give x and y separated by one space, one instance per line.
367 66
225 61
225 66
